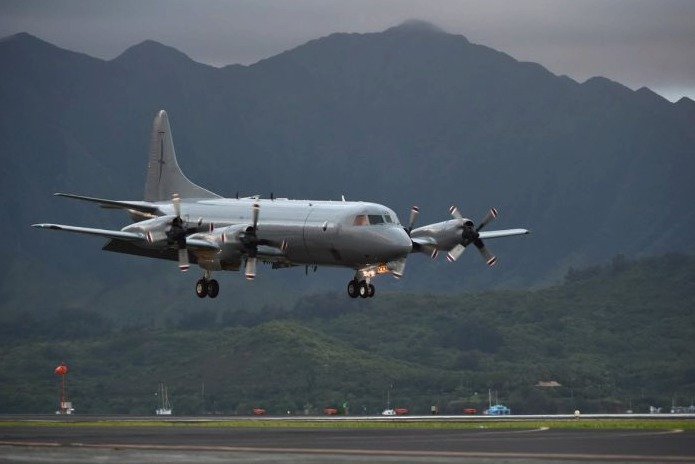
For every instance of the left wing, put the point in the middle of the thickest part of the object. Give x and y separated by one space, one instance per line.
139 206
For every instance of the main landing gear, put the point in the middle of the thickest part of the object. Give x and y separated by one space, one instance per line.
207 287
360 288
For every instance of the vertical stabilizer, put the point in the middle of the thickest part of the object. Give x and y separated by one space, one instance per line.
164 176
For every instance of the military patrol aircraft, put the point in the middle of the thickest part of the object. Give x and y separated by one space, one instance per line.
180 221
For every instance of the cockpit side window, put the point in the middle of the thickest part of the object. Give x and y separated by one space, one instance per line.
361 220
376 219
388 218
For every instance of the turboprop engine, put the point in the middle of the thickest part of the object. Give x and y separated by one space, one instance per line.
455 235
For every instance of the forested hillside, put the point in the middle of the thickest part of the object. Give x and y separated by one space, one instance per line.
410 115
614 336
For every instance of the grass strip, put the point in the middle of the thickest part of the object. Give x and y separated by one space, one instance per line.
580 424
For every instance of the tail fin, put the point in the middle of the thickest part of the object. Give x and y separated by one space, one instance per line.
164 176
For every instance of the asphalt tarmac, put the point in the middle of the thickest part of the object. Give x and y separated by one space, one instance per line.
126 444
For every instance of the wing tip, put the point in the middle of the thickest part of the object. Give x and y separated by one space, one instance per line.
46 226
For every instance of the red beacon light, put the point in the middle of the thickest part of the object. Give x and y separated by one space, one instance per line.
62 370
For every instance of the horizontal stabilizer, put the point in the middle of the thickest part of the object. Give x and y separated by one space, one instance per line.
115 234
141 206
503 233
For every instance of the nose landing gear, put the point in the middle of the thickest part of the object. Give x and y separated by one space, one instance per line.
360 288
207 287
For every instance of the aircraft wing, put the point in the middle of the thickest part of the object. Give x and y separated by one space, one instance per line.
115 234
424 241
504 233
424 244
140 206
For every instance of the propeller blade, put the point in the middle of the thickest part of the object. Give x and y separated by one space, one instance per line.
250 268
490 259
397 268
414 213
454 211
255 212
455 253
489 217
183 259
176 200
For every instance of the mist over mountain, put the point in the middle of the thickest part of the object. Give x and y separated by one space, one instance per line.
410 115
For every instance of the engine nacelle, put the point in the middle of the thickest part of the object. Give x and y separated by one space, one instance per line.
155 230
230 244
446 234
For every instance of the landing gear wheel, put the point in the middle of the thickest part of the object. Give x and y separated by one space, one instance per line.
352 289
201 288
372 290
213 288
363 289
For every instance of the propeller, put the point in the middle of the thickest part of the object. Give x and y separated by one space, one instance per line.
176 200
250 271
414 213
471 234
250 241
179 231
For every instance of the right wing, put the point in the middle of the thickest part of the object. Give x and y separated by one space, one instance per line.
115 234
504 233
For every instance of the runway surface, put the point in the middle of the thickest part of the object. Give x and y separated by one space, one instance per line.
212 445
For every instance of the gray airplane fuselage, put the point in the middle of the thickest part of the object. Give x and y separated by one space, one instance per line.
315 232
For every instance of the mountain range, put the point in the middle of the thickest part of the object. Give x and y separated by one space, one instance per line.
410 115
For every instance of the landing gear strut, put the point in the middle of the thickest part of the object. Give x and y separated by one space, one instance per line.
360 288
207 287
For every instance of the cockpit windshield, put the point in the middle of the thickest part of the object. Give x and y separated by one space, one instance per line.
372 219
361 220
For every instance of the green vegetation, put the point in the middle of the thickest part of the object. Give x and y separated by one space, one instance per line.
615 337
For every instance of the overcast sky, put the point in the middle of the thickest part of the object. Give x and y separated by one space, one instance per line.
636 42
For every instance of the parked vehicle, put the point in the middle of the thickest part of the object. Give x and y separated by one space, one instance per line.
497 410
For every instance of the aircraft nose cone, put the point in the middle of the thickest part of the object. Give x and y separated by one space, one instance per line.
398 242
